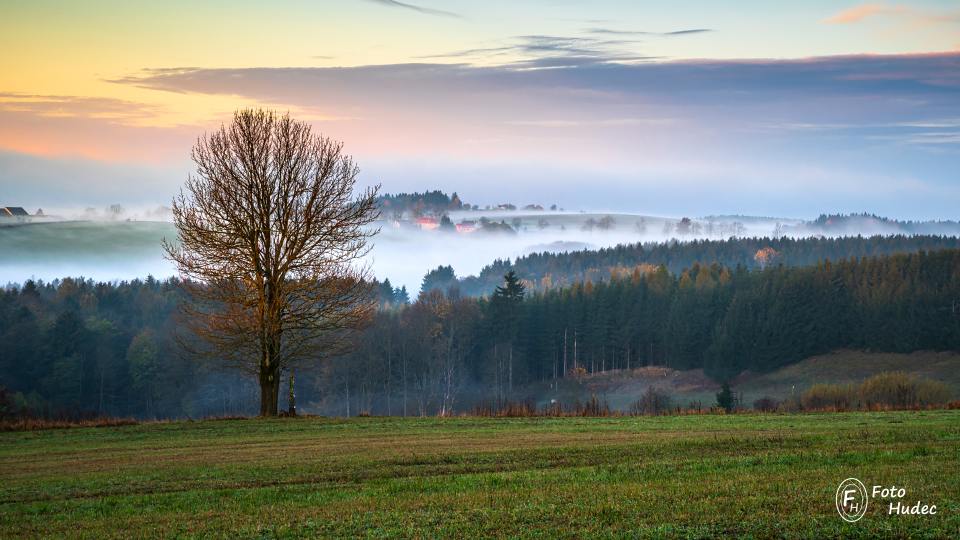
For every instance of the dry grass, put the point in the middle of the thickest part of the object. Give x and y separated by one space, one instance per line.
592 408
35 424
884 391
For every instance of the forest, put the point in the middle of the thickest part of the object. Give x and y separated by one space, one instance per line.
436 202
76 347
845 224
451 352
544 271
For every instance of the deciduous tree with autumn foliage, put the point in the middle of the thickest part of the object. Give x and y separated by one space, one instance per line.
270 231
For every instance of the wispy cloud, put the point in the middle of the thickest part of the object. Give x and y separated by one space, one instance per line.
547 51
933 138
857 13
418 9
929 132
863 12
615 32
581 123
76 106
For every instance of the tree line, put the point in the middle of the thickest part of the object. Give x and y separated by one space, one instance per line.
447 351
79 347
436 202
548 270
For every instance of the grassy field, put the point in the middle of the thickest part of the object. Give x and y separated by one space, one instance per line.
751 475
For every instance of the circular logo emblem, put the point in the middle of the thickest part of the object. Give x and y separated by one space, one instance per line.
852 499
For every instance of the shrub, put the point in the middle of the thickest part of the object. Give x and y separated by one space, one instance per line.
790 404
829 396
766 404
930 392
593 407
893 390
900 390
653 401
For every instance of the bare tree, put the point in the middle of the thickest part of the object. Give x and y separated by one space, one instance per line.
270 237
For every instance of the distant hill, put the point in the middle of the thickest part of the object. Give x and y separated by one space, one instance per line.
396 206
622 387
845 224
549 269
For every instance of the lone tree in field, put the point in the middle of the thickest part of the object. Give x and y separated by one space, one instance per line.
270 233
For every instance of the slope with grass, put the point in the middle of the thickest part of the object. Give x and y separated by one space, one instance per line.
691 476
622 387
845 366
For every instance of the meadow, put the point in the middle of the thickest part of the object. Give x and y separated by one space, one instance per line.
669 476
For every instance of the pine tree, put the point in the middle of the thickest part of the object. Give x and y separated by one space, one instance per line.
725 398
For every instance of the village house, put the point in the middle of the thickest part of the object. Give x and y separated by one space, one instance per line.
13 214
428 223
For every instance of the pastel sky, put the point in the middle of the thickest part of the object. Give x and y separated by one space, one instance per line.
673 107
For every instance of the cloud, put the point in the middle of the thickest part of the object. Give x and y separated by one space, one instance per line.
76 106
418 9
932 78
547 51
857 13
732 133
602 122
611 31
575 103
863 12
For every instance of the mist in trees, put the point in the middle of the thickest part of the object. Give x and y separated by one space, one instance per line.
80 347
723 320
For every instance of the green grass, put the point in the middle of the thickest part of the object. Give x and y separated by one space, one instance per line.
747 475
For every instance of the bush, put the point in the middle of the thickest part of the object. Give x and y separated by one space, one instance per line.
790 404
766 404
894 390
900 390
829 396
593 407
653 401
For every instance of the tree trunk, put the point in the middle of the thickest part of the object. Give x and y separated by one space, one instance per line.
510 375
270 371
269 392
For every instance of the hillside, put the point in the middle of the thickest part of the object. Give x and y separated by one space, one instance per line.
99 250
846 224
622 387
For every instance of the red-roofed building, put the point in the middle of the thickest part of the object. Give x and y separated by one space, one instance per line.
428 223
466 226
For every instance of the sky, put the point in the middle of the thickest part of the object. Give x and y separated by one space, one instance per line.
667 108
